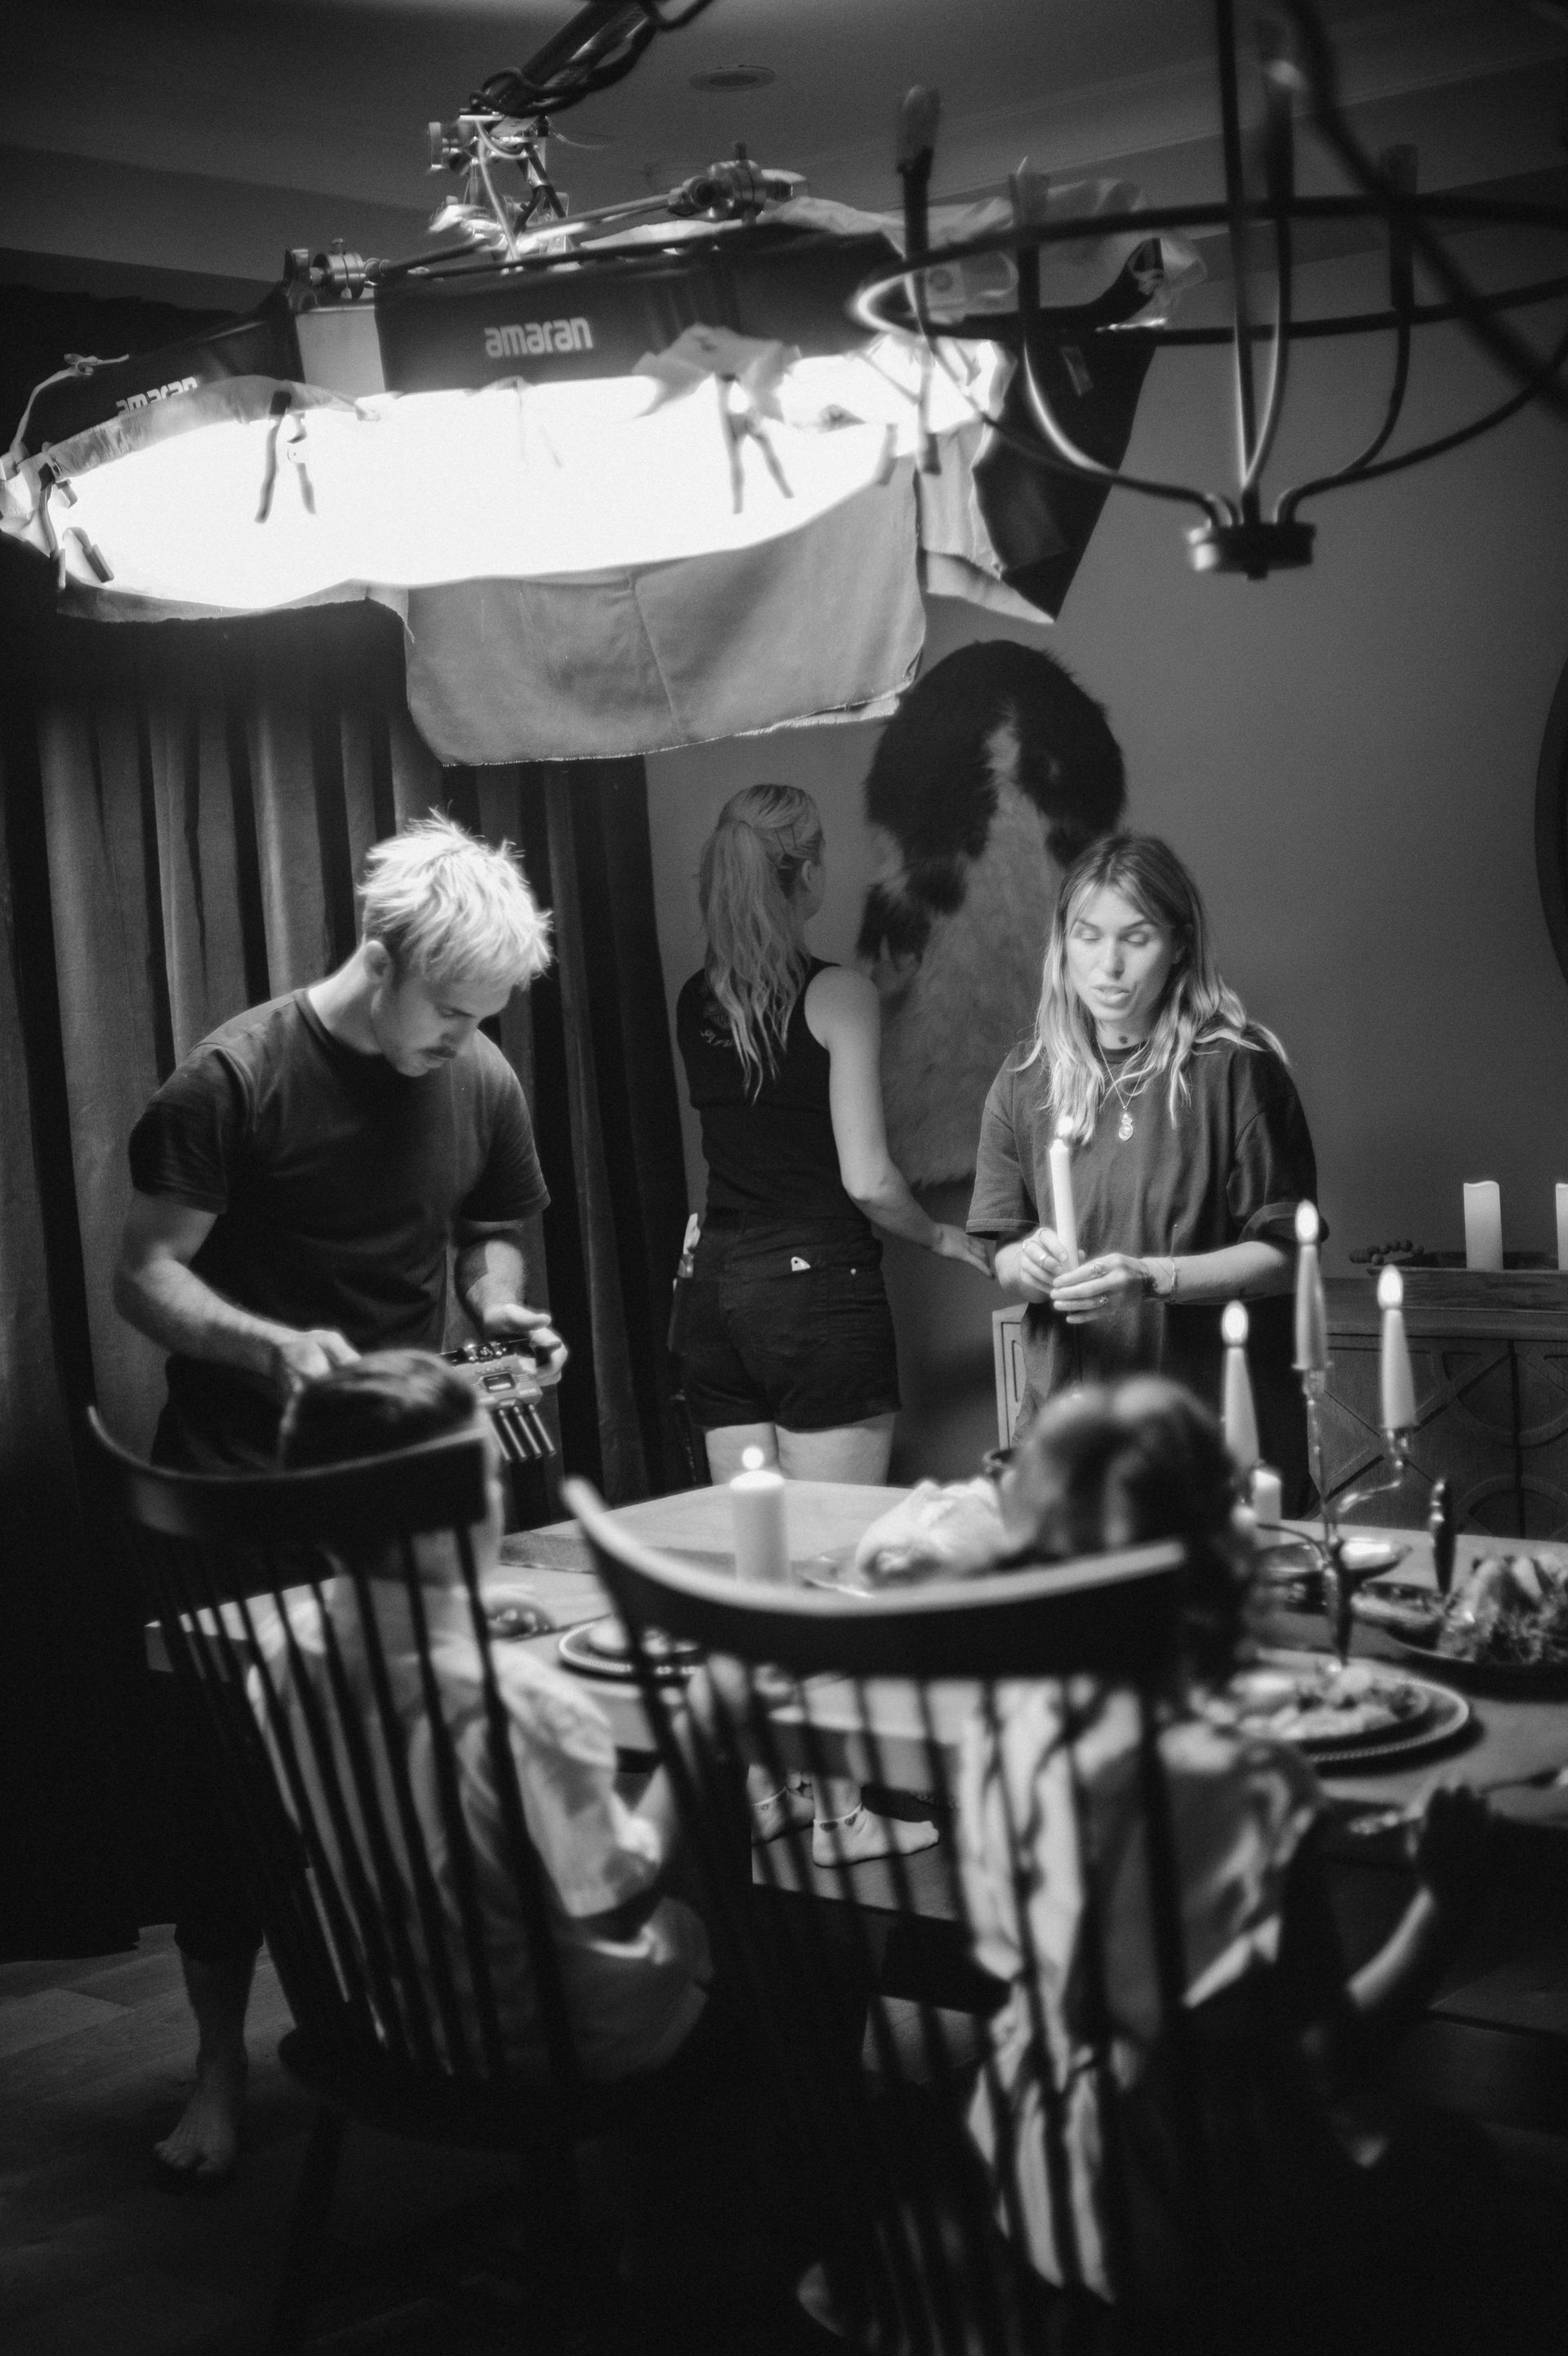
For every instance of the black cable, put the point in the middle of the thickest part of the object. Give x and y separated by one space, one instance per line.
605 53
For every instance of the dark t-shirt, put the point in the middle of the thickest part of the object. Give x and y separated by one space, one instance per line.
337 1184
770 1151
1231 1168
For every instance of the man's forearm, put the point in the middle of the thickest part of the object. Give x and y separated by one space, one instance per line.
490 1274
175 1307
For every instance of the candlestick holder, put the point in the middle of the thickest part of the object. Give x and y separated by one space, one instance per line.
1335 1574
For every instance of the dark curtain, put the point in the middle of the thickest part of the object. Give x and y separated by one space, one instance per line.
185 806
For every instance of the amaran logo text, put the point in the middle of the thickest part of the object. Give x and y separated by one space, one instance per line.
538 336
158 393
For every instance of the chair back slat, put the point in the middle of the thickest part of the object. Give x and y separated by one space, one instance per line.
355 1888
527 1874
347 1721
956 2158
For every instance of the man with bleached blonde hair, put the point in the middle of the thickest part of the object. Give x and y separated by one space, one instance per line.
299 1180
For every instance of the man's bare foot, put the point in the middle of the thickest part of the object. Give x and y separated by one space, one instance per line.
205 2144
200 2153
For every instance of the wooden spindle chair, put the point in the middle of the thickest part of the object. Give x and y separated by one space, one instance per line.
393 1992
920 2243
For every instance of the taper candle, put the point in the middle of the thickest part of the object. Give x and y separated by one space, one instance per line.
1562 1226
1268 1497
1311 1311
1484 1224
1398 1375
1239 1414
1062 1212
756 1511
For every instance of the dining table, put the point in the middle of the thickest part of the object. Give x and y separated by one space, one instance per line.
1511 1743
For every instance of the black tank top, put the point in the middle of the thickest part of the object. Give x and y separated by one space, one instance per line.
771 1151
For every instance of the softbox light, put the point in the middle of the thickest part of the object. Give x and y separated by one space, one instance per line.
643 498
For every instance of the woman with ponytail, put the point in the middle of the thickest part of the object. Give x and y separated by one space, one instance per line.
1190 1153
787 1341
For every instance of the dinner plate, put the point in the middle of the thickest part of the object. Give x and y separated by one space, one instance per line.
592 1651
1441 1716
1447 1715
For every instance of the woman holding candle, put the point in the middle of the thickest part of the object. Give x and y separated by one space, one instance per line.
1178 1137
786 1338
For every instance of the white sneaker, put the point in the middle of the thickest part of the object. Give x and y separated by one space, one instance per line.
779 1812
857 1839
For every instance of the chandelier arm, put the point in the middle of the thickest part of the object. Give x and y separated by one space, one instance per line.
1279 156
1236 236
1074 461
1475 314
1401 293
1194 218
1349 323
1434 449
1280 373
672 23
1358 467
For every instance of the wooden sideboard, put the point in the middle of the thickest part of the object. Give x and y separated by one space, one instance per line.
1490 1354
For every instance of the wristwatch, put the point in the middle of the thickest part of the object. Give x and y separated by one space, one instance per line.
1159 1278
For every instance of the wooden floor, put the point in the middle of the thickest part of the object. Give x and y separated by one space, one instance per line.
95 2259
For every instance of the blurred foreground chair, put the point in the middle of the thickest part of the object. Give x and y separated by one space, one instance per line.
391 1985
918 2241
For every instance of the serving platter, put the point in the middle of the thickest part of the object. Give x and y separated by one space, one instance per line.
1414 1644
1482 1676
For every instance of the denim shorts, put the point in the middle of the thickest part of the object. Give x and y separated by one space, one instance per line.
786 1321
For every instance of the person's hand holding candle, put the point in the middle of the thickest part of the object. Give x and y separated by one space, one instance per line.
1033 1265
1110 1280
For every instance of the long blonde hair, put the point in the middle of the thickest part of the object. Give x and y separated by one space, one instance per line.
746 887
1198 1005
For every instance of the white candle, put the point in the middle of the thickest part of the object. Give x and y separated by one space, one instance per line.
1268 1495
756 1513
1311 1311
1562 1226
1484 1224
1062 1214
1398 1375
1239 1414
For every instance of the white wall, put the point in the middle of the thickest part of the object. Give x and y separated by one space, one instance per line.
1346 757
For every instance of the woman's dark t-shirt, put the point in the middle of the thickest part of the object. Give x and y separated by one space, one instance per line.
337 1183
1230 1167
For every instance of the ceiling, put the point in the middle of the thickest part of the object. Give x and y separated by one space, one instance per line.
178 148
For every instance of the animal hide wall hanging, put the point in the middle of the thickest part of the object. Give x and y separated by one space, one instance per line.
994 774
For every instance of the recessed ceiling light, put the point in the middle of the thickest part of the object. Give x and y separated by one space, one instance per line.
735 78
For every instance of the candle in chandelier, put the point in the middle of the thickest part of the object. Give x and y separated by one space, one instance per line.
1484 1224
1240 1415
1063 1216
756 1513
1311 1311
1398 1375
1562 1226
1268 1497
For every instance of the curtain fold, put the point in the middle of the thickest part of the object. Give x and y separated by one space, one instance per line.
186 810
